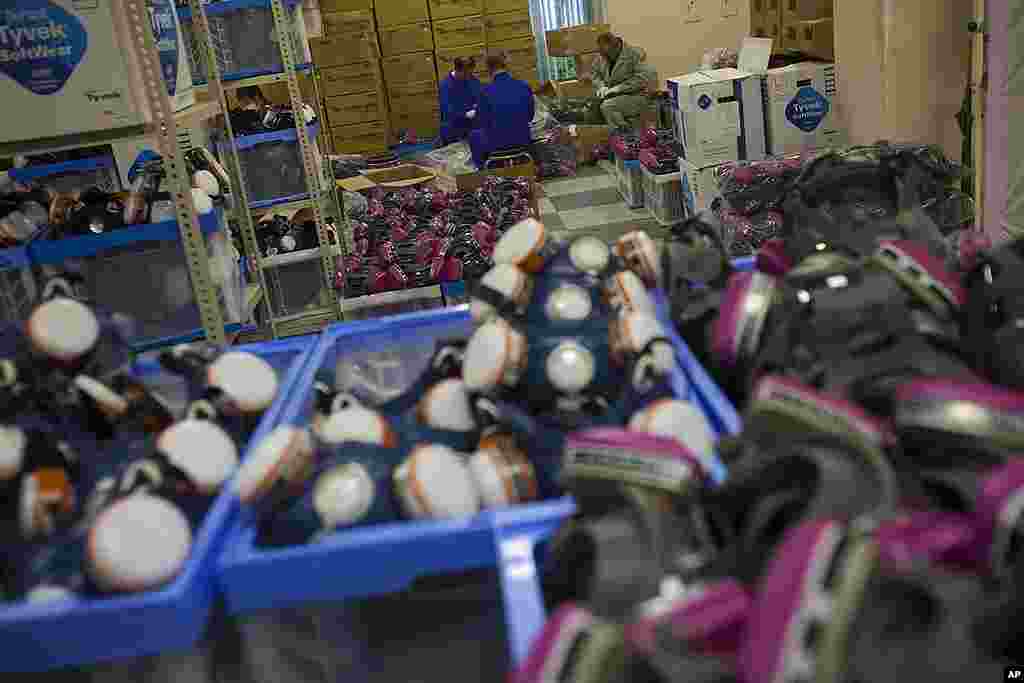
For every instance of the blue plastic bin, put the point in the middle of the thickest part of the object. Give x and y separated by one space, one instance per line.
243 38
375 560
272 166
71 176
518 532
141 271
39 637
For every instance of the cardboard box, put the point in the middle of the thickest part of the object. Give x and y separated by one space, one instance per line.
401 40
459 32
446 59
426 124
804 10
449 9
772 7
700 188
578 40
499 27
345 5
349 79
413 97
816 39
398 12
800 104
521 52
501 6
344 49
574 89
361 138
586 139
585 65
790 37
410 68
718 116
351 109
343 23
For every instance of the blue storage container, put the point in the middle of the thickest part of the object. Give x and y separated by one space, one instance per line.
39 637
244 39
374 560
71 176
141 271
272 166
518 532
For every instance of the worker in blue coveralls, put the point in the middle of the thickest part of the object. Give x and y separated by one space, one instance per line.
460 97
505 113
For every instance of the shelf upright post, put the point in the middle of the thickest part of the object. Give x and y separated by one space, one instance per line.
166 132
240 195
313 173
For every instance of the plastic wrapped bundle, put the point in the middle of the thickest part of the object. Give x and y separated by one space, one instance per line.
555 154
744 234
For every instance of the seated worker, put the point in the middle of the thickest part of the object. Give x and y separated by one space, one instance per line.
621 78
460 96
505 113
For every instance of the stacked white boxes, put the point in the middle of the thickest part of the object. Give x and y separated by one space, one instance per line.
718 116
800 108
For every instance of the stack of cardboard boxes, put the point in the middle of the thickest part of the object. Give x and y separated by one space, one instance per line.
804 25
580 43
727 115
381 61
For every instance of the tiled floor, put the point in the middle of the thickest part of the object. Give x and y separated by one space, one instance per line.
590 204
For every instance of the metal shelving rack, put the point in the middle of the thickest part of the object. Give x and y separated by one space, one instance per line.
322 192
164 127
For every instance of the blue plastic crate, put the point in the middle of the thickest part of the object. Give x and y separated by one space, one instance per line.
375 560
71 176
272 166
243 40
39 637
518 532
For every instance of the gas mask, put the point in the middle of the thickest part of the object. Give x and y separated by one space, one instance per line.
995 311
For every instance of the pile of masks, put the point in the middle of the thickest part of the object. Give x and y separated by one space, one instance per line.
278 234
416 237
104 480
568 372
659 145
555 154
869 526
863 185
26 209
268 119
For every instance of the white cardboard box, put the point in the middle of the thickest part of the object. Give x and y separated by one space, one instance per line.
800 108
69 69
700 189
718 116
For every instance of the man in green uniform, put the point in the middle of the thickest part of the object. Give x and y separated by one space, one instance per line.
621 78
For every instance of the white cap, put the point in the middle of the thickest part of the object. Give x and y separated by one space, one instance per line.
201 449
627 290
288 243
138 543
494 355
640 253
568 302
446 406
63 329
521 245
343 495
356 423
502 478
434 483
589 254
680 420
246 379
506 279
570 367
285 453
201 201
207 182
13 442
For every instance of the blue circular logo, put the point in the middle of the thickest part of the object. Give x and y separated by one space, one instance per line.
704 102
